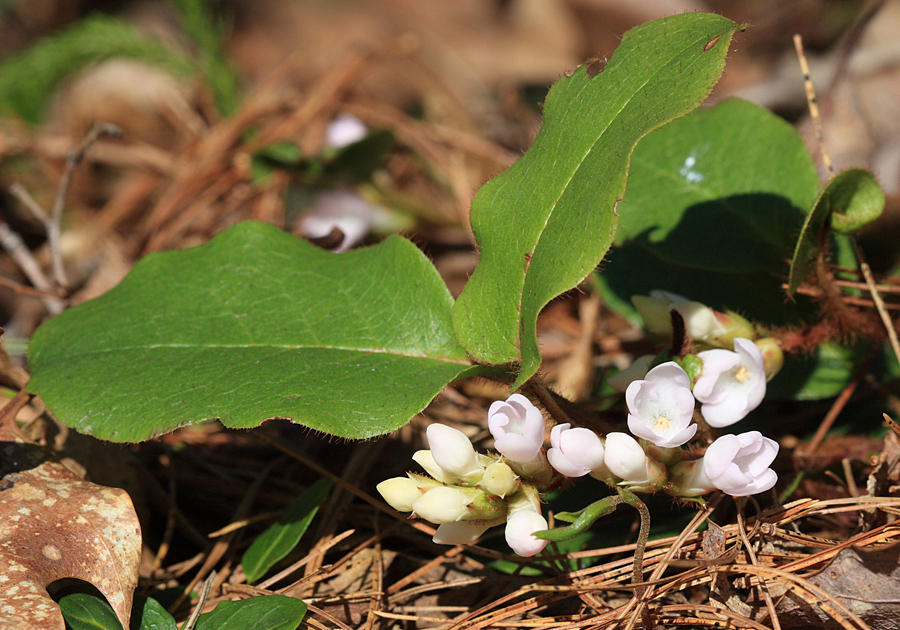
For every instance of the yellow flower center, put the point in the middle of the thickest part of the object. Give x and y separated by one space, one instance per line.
742 374
662 424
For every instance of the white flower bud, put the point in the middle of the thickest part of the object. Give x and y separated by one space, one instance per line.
447 504
520 528
499 479
425 459
453 451
574 452
462 532
442 505
345 129
625 459
399 492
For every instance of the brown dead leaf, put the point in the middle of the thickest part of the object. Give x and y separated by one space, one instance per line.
865 581
54 525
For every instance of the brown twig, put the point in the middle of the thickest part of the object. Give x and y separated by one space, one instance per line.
53 225
15 247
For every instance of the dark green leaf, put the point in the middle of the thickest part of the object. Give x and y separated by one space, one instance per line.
820 375
255 324
281 537
713 202
149 614
269 612
851 200
546 222
88 612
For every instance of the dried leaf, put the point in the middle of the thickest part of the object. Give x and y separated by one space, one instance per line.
54 525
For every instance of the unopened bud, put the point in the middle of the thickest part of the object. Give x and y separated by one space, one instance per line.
625 459
399 492
655 313
462 532
453 452
773 357
523 520
425 459
732 326
499 479
687 479
447 504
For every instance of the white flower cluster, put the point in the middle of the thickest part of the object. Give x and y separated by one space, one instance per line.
465 492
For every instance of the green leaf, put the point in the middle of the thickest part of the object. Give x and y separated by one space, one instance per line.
544 224
823 374
281 538
28 78
268 612
713 202
851 200
88 612
149 614
255 324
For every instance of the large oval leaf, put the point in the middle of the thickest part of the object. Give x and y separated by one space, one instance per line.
714 200
253 325
544 224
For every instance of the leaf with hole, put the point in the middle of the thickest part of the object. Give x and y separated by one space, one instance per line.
544 224
255 324
281 537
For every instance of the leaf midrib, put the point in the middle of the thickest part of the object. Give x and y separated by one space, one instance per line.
277 346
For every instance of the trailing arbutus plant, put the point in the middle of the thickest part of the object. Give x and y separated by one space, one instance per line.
258 324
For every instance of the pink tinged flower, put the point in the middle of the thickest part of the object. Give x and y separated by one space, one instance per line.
345 129
661 406
731 384
520 528
518 428
453 451
342 210
574 452
739 464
